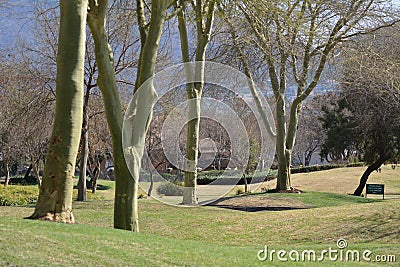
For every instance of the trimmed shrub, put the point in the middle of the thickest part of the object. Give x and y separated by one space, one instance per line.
169 189
16 195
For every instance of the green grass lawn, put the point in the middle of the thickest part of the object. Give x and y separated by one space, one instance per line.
202 236
37 243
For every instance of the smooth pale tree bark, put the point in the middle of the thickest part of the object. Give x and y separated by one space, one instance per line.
7 171
126 191
204 22
55 196
125 205
139 113
33 166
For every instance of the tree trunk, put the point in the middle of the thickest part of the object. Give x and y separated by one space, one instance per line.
55 196
245 182
36 172
189 191
194 88
125 205
283 181
28 172
307 158
94 172
126 186
84 149
95 177
7 171
364 178
151 184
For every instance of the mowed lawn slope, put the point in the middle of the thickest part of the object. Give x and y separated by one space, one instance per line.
205 236
345 180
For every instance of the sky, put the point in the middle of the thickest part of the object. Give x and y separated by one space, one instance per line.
15 20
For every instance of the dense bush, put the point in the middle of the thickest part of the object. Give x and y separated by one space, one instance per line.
169 189
16 195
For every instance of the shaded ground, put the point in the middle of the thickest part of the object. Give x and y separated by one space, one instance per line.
254 203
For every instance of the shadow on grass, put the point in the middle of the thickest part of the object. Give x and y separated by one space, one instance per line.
250 206
99 187
257 209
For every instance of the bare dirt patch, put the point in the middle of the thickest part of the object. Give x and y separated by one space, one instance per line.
253 203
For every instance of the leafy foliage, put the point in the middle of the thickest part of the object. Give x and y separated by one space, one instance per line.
366 116
340 141
18 195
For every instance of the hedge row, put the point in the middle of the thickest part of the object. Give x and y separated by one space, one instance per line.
230 177
315 168
18 195
21 180
232 180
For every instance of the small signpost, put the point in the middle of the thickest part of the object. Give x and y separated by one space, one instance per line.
376 189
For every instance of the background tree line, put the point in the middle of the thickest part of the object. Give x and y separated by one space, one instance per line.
103 52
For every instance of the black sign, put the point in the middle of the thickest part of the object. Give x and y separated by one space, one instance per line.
377 189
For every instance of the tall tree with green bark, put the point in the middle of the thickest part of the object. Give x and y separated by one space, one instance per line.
139 112
125 207
119 28
204 17
55 195
295 39
124 44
